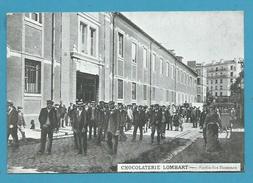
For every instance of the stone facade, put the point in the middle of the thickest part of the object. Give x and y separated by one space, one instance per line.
90 56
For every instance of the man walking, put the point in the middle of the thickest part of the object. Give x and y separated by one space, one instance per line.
80 128
12 123
139 121
122 122
156 124
113 129
48 122
100 121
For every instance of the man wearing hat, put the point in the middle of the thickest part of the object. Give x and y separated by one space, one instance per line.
48 122
12 123
80 128
139 121
21 122
156 124
113 128
122 121
100 121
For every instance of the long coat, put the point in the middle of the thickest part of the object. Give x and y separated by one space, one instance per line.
114 122
52 118
80 120
100 117
156 116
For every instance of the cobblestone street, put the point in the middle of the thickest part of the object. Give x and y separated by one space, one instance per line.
65 159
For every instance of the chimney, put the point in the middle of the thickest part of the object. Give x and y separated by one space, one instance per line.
180 58
173 52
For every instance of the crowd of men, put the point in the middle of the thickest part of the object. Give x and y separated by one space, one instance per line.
105 122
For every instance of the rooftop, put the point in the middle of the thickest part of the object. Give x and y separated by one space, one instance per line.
170 52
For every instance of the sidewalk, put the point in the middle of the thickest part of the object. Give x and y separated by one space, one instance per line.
67 132
35 134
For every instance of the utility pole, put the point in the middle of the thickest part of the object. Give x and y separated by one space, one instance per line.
52 56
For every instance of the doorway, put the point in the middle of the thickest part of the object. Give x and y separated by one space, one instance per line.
87 87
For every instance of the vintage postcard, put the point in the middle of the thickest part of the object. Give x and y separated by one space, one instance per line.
151 91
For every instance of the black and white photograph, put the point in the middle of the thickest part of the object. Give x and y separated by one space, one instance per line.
108 92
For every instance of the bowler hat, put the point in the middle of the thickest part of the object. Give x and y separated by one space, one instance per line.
111 103
79 103
10 103
50 102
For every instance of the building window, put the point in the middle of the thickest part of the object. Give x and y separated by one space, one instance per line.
120 42
145 63
221 87
221 81
83 33
220 93
134 52
37 17
167 69
182 79
153 62
153 93
198 71
216 88
216 69
231 80
207 82
145 92
198 90
134 91
120 89
198 81
32 76
216 94
216 81
167 95
92 42
173 72
161 66
231 67
178 76
231 74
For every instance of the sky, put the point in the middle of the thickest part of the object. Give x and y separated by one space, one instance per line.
200 36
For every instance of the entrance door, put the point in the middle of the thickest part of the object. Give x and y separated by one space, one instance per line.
86 87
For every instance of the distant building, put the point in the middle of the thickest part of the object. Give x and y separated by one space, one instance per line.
200 69
93 57
220 76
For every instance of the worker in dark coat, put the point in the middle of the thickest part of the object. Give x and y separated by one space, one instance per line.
122 120
12 116
100 121
48 123
138 121
80 128
113 128
156 123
